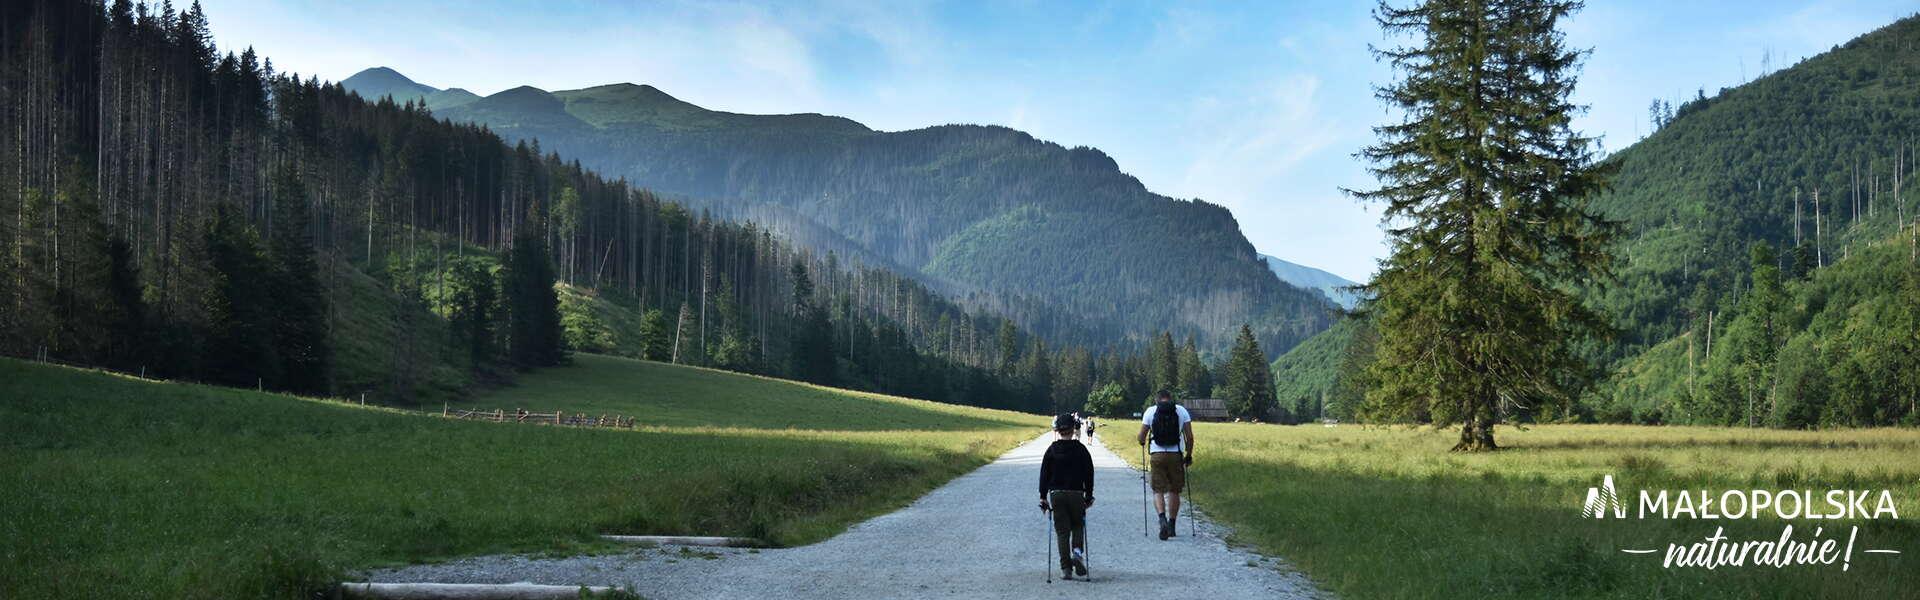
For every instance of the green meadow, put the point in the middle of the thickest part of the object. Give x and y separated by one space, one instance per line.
1389 513
120 487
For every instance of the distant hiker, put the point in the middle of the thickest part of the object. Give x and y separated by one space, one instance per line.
1090 427
1172 431
1066 488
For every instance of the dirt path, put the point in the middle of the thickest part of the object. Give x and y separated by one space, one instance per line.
979 536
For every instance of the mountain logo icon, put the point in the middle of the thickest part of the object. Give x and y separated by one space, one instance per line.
1601 499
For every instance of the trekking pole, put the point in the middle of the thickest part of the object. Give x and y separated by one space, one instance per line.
1143 491
1050 540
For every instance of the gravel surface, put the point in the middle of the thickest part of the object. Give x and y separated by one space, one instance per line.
979 536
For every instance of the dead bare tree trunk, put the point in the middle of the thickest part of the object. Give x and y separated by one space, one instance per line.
1819 250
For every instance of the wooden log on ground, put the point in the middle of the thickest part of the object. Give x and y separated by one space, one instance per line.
467 591
685 540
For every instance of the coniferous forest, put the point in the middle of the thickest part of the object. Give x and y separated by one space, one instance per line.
1766 274
1058 238
184 211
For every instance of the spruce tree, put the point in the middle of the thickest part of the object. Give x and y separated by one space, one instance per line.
533 315
736 350
1009 342
656 341
811 344
1486 189
1760 324
299 300
473 312
1164 362
1195 381
239 327
127 330
1036 373
1249 384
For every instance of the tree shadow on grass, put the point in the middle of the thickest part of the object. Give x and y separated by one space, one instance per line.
1485 535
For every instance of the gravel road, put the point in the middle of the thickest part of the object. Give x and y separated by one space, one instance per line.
979 536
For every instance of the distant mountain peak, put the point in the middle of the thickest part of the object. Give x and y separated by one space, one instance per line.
1329 285
632 94
520 91
516 108
381 82
985 208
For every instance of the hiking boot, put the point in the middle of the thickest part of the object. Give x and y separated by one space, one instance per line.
1079 562
1166 527
1172 527
1066 573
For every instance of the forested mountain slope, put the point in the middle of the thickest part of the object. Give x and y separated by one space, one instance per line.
1769 272
189 213
1802 157
989 208
1772 276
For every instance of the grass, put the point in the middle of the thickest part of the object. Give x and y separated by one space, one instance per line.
373 331
660 394
1388 513
119 487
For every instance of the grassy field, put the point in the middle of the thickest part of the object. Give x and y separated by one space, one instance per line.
118 487
660 394
1379 513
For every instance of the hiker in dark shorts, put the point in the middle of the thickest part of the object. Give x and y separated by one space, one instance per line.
1066 488
1171 429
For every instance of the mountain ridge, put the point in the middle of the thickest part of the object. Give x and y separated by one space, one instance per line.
943 200
380 82
1331 285
1721 196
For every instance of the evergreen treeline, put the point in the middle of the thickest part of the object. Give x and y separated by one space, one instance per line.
1768 264
1124 383
193 213
1800 348
1813 160
177 210
1056 237
1773 233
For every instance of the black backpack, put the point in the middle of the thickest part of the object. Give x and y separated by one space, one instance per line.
1166 425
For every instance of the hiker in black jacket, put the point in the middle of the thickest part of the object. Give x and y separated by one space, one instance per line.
1066 487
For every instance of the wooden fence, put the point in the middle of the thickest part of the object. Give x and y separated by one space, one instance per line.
520 415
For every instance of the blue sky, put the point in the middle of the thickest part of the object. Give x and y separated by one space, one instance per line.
1258 106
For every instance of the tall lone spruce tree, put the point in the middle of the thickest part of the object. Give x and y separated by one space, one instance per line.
533 308
1486 188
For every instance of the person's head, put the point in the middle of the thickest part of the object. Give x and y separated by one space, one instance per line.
1162 397
1066 425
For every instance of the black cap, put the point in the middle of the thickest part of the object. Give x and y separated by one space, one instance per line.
1163 395
1065 422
